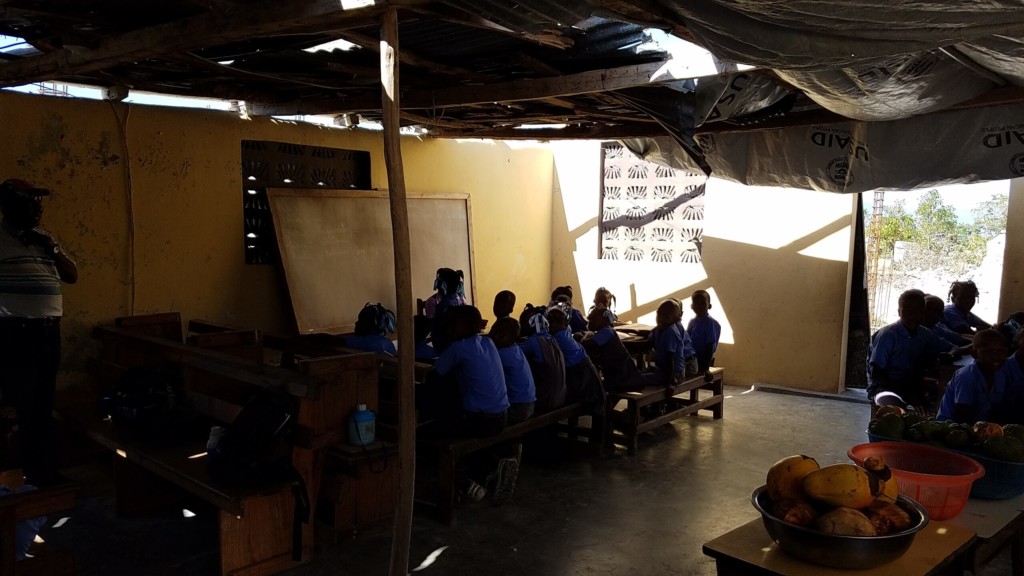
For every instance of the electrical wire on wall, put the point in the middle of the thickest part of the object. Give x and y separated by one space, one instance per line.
122 126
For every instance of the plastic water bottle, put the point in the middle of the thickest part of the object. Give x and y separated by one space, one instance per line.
362 426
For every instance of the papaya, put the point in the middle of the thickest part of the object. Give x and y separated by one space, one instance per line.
784 476
846 522
842 485
879 469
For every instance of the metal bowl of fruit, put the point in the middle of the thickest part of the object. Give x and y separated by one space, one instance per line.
839 551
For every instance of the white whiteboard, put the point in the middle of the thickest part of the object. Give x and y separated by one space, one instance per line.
337 250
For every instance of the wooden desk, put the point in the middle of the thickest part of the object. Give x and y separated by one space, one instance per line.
939 549
997 524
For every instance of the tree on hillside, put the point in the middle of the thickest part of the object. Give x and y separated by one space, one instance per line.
990 216
896 225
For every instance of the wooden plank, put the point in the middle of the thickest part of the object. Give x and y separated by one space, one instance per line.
599 132
410 58
389 56
233 24
587 82
212 361
27 505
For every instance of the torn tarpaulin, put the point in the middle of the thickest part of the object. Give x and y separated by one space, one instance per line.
672 106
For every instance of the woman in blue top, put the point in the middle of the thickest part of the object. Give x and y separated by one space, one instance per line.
373 325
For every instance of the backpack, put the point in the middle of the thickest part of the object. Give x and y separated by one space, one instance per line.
146 400
256 450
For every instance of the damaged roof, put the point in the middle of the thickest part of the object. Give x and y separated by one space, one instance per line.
683 81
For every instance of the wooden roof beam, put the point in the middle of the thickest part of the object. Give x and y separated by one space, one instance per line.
456 16
410 58
216 28
567 133
513 91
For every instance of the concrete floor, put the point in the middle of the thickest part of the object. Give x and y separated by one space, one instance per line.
648 514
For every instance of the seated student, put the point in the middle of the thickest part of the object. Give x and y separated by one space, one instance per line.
674 356
421 327
603 298
504 303
901 355
704 331
934 319
963 295
605 348
547 364
522 394
563 295
373 325
1009 327
980 391
450 292
475 365
582 382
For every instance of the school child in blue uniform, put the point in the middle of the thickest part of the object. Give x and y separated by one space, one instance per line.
562 297
980 391
607 352
522 394
703 330
504 304
547 363
475 365
582 382
450 293
603 298
424 351
901 355
373 325
934 319
963 295
674 356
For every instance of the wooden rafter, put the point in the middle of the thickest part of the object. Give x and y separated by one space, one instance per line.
263 19
456 16
410 58
567 133
513 91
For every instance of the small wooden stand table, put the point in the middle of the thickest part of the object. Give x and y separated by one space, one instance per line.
997 524
939 549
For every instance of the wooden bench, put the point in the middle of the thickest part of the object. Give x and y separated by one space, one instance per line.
16 507
450 451
625 426
255 525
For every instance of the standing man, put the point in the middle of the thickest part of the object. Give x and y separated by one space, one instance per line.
32 268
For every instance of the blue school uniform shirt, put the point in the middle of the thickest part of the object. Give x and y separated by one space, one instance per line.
672 347
477 368
424 351
902 354
949 336
704 331
577 323
518 378
968 386
571 349
955 318
378 343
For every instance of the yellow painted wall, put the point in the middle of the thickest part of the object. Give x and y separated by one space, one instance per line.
775 263
1011 298
148 200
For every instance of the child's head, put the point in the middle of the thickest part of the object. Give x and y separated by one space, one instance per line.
911 308
963 294
449 281
989 349
599 318
562 291
461 322
669 312
700 302
421 327
532 321
557 320
1018 342
933 310
504 303
604 298
374 319
505 332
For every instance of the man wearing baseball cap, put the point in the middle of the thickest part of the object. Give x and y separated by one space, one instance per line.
32 268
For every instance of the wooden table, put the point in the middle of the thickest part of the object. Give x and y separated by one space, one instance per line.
939 549
997 524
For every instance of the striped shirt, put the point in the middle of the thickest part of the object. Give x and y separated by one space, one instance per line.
29 281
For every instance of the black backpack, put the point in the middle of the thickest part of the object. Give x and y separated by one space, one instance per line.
256 450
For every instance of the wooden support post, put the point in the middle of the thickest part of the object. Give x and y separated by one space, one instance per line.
403 293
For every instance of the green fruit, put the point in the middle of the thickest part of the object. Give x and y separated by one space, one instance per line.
887 426
911 418
1004 448
957 437
1014 430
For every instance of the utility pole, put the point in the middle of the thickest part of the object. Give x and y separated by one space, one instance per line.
874 238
